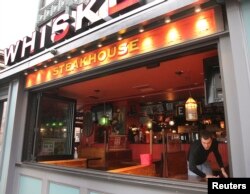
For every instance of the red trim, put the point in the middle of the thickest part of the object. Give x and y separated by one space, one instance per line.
120 6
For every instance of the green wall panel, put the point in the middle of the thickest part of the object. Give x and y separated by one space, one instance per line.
62 189
29 185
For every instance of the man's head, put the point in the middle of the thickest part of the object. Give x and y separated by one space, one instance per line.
206 139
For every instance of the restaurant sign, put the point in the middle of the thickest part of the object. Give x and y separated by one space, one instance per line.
198 25
64 26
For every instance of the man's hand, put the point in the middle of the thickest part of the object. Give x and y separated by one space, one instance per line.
211 176
225 175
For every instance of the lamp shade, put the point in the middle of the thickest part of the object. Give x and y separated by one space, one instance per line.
191 110
104 120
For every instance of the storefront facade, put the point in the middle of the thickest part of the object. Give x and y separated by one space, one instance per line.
217 35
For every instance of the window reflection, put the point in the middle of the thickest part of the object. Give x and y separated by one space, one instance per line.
55 127
3 106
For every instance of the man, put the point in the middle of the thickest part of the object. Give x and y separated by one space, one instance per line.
198 154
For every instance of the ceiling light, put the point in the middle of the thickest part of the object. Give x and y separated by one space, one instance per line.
45 65
25 73
55 61
119 37
99 45
141 29
35 69
202 25
197 8
167 20
69 57
82 51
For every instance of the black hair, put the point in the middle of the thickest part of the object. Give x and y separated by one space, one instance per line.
205 134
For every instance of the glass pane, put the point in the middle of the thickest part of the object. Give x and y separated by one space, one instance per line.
55 131
3 106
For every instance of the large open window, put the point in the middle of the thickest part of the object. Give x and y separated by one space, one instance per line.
51 127
113 113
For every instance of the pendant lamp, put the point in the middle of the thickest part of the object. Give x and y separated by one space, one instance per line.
104 119
191 110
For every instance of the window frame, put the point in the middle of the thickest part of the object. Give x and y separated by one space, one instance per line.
3 98
32 127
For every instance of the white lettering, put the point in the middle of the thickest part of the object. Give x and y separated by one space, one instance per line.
45 37
229 186
11 54
86 13
29 43
243 186
60 28
215 185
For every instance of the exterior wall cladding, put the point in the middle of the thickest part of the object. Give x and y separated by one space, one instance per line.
20 177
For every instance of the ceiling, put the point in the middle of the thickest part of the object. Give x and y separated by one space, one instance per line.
172 80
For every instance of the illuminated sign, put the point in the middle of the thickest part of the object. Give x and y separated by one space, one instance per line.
64 26
98 57
189 28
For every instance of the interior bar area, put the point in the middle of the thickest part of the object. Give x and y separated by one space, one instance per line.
112 102
136 121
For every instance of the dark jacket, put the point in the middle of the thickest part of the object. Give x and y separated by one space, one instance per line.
198 155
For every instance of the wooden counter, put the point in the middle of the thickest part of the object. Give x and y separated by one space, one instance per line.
80 162
144 170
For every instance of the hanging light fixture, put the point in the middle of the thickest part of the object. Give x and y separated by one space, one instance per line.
149 124
191 109
104 120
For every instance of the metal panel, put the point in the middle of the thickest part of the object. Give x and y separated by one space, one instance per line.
108 183
236 76
9 130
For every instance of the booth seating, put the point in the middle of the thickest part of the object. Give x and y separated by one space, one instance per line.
175 165
95 157
99 158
